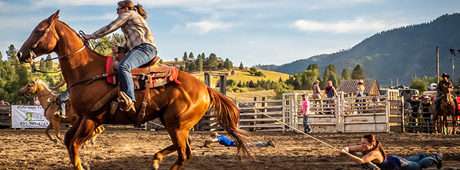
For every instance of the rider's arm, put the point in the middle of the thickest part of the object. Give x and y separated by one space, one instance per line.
114 25
354 148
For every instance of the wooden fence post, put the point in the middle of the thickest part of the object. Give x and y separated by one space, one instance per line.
284 111
403 128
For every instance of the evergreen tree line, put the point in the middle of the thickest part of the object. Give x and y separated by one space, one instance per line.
305 79
202 63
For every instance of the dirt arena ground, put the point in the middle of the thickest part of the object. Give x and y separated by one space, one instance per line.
133 149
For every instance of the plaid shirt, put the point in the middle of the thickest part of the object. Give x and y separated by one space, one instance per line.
134 27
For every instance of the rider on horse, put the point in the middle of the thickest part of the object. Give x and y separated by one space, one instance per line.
139 41
62 98
445 87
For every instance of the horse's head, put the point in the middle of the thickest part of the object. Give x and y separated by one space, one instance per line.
42 40
31 88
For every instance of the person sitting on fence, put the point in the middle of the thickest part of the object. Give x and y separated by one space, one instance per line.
226 141
331 92
415 108
304 111
374 153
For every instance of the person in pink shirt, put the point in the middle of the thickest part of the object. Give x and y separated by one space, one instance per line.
304 111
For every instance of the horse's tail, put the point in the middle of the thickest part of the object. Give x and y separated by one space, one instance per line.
228 116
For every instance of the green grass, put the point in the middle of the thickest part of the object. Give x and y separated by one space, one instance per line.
244 76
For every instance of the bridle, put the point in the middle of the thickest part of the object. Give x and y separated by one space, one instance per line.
85 44
47 30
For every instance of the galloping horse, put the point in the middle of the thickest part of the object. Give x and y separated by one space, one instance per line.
47 99
447 108
179 106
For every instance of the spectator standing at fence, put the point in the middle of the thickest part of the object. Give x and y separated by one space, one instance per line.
360 89
304 111
317 96
372 151
414 103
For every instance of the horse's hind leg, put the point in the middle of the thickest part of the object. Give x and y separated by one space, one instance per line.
189 148
57 128
158 157
181 136
76 136
47 131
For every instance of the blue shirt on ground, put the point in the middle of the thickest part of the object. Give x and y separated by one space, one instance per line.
224 140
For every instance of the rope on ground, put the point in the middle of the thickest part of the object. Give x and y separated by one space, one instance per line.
327 144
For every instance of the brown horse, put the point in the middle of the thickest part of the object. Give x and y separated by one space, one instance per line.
179 106
47 99
447 108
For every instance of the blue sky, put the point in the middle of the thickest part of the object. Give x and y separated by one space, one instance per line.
251 31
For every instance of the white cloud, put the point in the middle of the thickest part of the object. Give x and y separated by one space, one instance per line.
345 26
206 26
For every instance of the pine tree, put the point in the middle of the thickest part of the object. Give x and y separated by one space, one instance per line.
346 74
191 56
358 73
186 64
200 64
241 66
212 62
228 64
12 54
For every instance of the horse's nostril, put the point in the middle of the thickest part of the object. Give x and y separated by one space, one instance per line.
19 55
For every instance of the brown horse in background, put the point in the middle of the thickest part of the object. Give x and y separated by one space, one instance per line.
447 108
47 100
179 106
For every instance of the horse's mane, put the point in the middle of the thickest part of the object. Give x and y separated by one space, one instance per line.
78 35
44 85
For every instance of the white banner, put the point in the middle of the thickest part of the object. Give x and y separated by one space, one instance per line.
28 117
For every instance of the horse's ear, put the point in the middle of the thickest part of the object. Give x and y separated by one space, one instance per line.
54 17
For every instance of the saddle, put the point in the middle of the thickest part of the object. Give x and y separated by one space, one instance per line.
146 77
150 75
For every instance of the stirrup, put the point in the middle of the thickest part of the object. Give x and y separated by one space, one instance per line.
126 103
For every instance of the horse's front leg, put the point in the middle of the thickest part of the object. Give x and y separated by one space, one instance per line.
76 136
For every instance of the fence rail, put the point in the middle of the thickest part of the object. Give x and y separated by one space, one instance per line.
5 115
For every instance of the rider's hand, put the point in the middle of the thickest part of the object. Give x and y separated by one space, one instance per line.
345 150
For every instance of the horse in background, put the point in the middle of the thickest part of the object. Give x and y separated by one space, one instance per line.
47 99
447 108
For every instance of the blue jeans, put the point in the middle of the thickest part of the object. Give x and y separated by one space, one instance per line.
418 161
306 126
63 98
138 56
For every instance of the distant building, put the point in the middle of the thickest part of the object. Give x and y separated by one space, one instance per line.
349 87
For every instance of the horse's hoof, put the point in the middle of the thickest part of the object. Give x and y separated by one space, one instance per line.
156 164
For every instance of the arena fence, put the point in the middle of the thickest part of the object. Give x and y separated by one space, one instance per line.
327 115
5 116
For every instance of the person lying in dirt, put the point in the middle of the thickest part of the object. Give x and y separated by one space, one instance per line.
226 141
373 152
